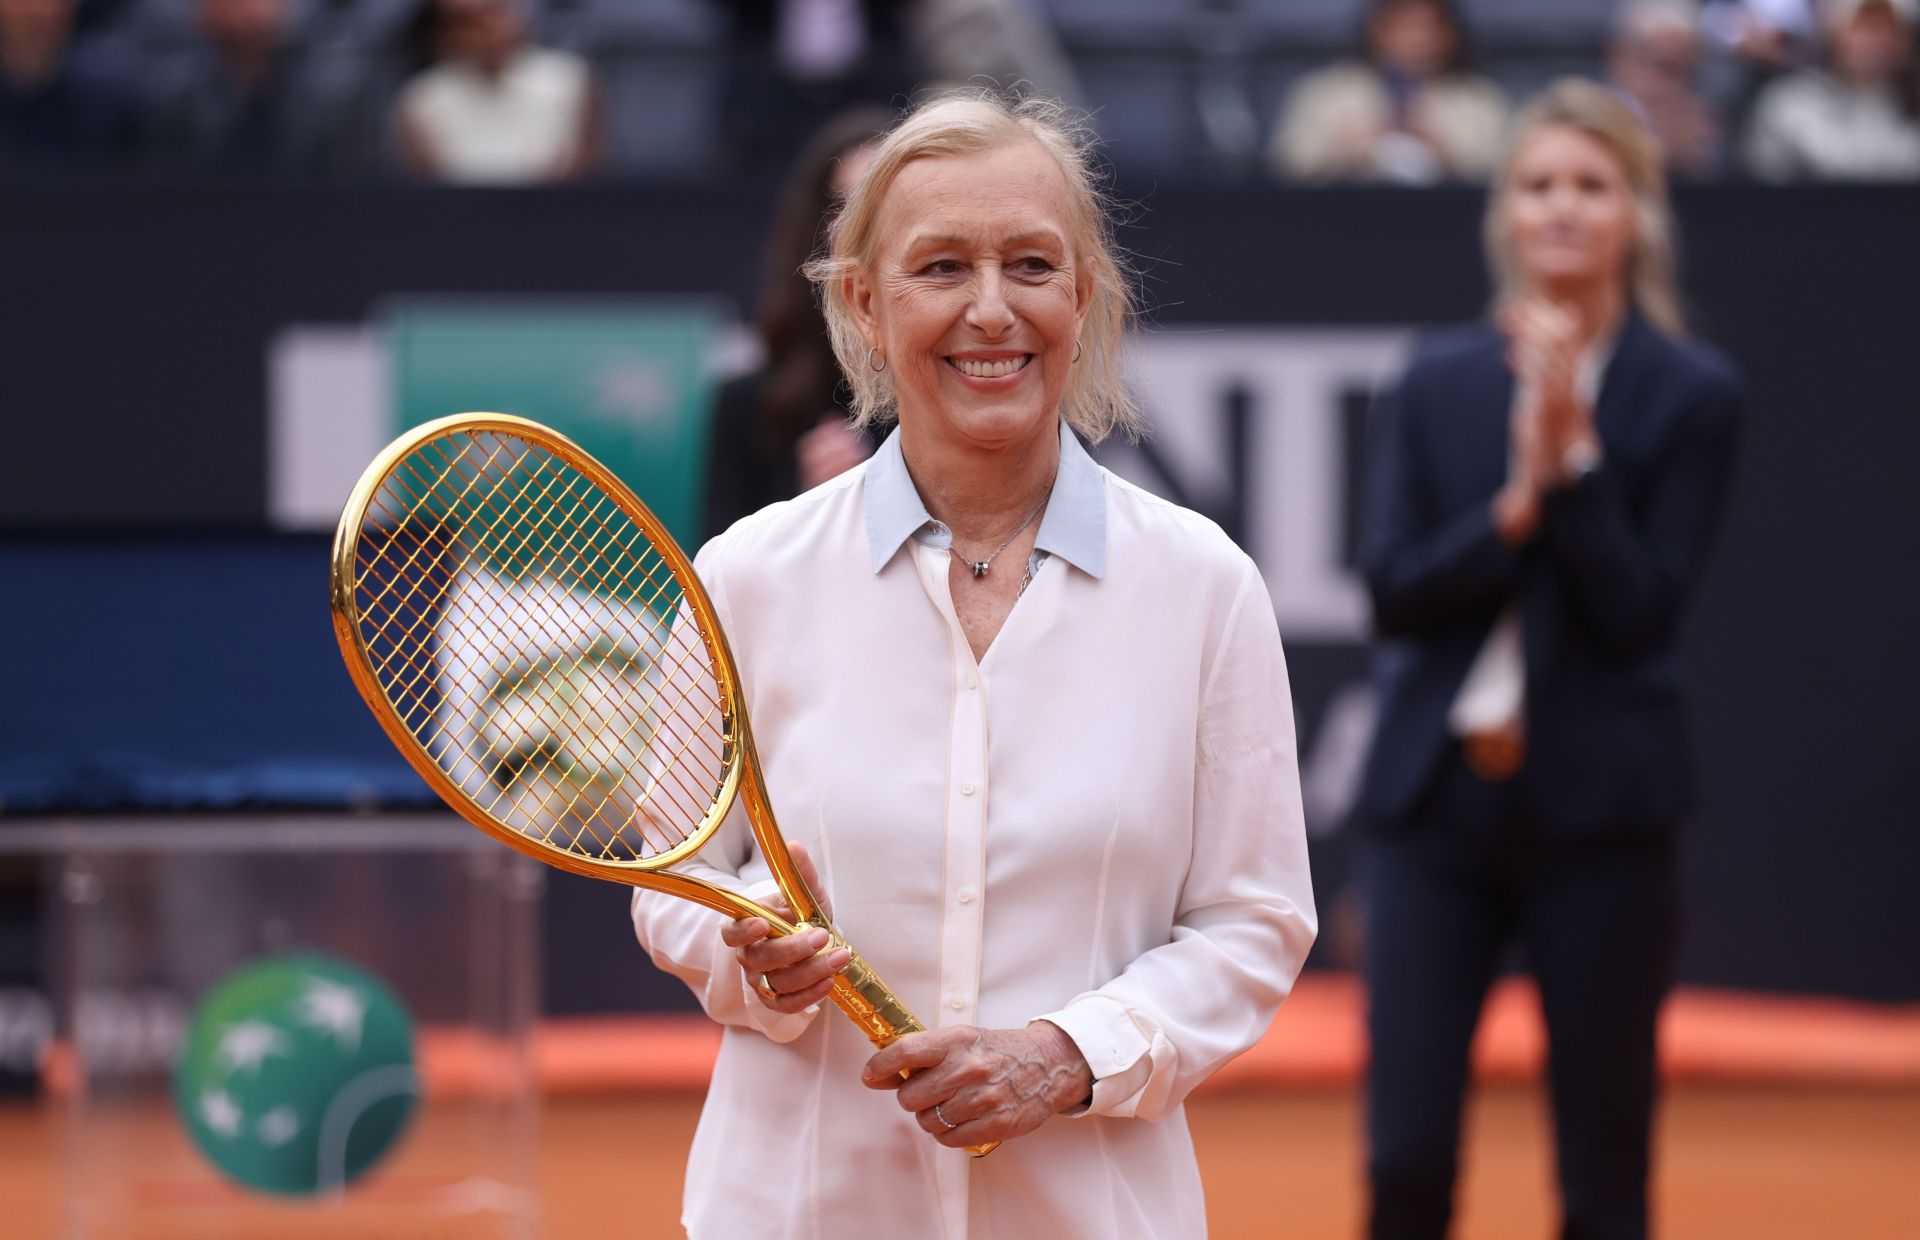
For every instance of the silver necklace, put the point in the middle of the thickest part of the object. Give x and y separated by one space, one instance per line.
980 567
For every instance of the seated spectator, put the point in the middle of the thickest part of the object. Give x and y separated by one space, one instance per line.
1856 118
1409 111
61 105
494 108
250 99
1749 43
1653 60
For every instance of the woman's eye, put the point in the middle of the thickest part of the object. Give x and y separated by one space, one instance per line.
1034 266
940 267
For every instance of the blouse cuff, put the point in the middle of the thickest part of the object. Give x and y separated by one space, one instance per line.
1115 1048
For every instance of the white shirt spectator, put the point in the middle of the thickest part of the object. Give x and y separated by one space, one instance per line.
1338 124
1097 824
1815 126
526 124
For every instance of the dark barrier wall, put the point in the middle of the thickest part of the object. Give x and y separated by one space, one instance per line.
134 325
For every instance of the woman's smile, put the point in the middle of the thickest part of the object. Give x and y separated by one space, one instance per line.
990 371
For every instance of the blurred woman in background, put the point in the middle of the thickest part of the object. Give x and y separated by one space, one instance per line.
783 428
1545 491
1408 110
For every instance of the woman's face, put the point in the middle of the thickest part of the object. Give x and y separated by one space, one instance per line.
1872 45
1569 211
1413 38
847 168
975 294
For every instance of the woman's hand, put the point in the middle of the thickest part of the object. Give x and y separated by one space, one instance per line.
787 971
830 449
971 1086
1516 512
1544 348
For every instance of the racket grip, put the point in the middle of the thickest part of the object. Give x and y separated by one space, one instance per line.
872 1005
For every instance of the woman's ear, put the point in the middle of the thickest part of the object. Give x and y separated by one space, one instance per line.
857 291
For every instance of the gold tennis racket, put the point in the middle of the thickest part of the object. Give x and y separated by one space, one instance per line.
538 647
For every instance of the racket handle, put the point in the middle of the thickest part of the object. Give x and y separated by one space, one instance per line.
872 1005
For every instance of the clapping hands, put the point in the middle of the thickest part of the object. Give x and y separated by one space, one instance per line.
1545 344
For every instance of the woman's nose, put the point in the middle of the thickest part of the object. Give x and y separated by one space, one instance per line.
989 312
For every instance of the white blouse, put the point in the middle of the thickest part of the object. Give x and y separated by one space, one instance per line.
1098 824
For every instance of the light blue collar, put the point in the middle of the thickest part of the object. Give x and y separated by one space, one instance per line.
1075 527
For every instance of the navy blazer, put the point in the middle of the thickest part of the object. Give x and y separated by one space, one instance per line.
1601 588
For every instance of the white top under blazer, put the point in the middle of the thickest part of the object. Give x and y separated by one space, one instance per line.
1099 823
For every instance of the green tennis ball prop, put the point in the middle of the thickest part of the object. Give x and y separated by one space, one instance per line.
297 1074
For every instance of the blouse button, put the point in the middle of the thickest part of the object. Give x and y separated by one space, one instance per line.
965 896
966 789
973 681
958 1004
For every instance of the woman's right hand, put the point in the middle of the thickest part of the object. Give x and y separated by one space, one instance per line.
830 449
788 971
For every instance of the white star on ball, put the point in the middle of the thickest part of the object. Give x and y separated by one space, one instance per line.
340 1010
247 1044
220 1112
278 1126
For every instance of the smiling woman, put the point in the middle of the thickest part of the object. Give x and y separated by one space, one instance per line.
1041 154
1071 826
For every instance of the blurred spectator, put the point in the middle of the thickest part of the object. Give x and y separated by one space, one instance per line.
61 104
1004 41
494 108
1410 111
792 65
783 428
1857 117
250 98
1751 42
1653 60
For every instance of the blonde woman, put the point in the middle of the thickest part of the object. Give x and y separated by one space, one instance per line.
1546 491
1030 724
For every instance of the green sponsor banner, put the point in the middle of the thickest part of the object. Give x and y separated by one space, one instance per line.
629 381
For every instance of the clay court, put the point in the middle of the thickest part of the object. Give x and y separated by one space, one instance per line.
1783 1119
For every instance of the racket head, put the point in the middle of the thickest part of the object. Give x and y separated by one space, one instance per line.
539 648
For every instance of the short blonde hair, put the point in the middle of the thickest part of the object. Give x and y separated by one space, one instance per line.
1602 115
1096 401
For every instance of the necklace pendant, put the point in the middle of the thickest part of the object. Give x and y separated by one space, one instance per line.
979 567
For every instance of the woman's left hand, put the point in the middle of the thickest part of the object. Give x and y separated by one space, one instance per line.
1545 345
970 1086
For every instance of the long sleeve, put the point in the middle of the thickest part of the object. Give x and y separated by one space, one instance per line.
1245 919
1630 575
1423 571
682 937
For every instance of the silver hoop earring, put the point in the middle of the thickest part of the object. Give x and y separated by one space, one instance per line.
1076 352
870 355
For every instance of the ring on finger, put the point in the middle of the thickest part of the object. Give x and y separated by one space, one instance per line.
765 988
941 1116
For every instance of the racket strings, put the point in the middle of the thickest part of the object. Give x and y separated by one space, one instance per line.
597 824
538 647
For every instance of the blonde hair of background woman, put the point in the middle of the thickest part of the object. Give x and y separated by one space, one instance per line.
1096 401
1602 115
